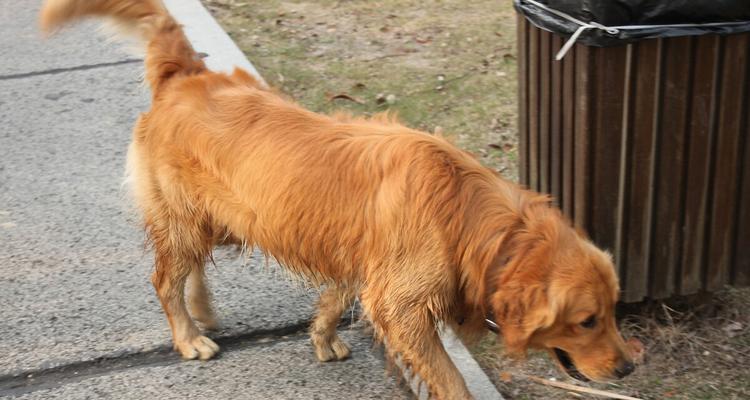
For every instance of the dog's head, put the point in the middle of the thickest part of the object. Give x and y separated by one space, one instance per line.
558 292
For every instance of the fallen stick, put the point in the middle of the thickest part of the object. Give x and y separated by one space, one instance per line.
581 389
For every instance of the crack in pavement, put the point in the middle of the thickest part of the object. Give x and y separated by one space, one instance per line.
20 383
54 71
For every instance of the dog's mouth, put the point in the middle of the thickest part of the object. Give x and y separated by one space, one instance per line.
567 363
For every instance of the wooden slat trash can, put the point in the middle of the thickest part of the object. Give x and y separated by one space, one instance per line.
645 145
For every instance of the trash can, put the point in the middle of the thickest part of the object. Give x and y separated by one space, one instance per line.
640 133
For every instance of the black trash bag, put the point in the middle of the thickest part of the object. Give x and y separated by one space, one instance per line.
613 22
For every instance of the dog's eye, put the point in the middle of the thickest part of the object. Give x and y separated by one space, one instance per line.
589 323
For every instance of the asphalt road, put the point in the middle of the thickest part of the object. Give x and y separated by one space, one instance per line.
78 316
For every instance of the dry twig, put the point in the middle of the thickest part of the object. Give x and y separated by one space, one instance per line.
581 389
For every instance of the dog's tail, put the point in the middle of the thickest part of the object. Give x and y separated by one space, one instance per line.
168 52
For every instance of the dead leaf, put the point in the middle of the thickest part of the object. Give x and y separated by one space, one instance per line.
345 97
506 376
637 350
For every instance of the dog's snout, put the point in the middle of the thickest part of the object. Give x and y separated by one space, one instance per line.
624 369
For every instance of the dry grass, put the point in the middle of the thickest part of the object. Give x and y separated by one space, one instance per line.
450 65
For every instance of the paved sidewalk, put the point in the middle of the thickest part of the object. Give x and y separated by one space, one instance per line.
79 318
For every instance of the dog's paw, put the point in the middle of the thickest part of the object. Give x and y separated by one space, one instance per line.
198 347
330 350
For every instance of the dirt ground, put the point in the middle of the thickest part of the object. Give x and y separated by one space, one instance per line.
450 66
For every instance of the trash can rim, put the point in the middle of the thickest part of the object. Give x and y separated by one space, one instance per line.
580 27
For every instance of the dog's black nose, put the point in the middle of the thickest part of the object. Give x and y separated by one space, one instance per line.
624 369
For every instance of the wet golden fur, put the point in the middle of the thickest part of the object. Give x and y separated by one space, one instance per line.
416 228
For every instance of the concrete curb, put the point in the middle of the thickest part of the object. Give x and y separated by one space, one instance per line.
208 37
478 382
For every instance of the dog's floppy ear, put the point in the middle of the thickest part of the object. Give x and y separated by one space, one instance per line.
521 310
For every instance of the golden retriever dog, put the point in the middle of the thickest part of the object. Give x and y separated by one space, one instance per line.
415 228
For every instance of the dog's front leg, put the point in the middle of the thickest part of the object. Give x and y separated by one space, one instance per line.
199 299
333 301
411 336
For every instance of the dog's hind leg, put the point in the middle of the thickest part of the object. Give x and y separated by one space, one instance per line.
199 300
181 247
332 303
